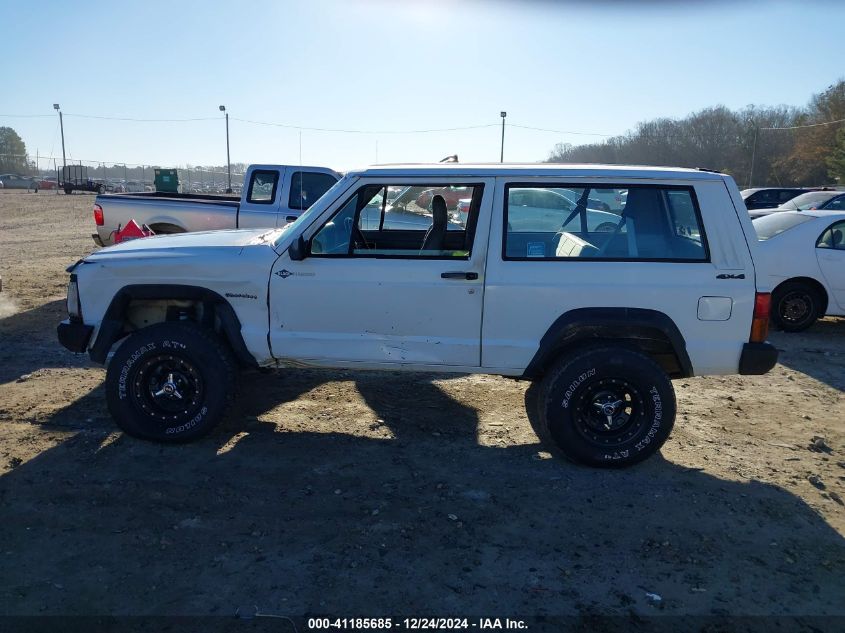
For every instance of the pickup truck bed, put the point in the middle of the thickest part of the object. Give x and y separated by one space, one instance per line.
273 196
161 195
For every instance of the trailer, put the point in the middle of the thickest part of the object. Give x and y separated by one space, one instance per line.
75 178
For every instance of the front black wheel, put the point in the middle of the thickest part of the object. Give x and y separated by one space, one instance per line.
606 406
170 382
795 306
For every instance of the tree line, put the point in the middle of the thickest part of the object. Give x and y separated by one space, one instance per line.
739 143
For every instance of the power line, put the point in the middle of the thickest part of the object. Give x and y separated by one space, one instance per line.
25 116
800 127
116 118
542 129
348 131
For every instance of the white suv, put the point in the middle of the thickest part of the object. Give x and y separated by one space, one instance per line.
369 279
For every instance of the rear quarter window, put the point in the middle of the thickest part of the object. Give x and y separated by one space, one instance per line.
650 223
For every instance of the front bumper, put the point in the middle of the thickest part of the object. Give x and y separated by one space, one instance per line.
74 335
757 358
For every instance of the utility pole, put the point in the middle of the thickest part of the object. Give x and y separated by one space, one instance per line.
62 127
502 155
228 162
753 154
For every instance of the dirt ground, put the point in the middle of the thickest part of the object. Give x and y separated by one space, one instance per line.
384 493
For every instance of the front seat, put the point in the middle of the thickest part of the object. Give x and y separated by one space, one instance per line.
435 237
648 233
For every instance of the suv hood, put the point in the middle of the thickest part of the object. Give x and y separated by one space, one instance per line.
236 237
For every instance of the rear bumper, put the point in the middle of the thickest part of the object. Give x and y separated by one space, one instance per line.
74 335
757 358
97 239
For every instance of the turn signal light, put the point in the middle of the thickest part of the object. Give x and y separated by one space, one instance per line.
98 215
760 320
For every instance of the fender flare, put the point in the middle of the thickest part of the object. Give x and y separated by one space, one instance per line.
590 324
111 327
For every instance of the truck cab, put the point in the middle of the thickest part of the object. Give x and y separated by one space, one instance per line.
281 191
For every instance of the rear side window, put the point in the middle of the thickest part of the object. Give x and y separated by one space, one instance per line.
837 204
306 187
833 237
624 223
262 186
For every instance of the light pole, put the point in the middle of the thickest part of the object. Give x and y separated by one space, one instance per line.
228 162
502 155
62 127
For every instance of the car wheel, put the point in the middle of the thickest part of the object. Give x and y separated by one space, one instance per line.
795 306
170 382
606 227
68 191
606 406
101 189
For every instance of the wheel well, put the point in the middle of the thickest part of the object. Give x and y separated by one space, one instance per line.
165 228
137 307
814 284
647 331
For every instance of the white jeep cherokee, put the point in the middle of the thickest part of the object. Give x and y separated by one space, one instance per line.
603 308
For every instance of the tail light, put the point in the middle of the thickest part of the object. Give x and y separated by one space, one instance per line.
760 320
98 215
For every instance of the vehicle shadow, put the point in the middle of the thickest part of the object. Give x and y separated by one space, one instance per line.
302 522
818 352
42 350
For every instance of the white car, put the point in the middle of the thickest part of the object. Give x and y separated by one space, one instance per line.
803 254
602 319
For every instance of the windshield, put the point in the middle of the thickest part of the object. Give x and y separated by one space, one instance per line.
810 200
774 224
315 209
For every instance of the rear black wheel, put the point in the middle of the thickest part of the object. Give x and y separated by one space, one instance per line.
795 306
606 406
170 382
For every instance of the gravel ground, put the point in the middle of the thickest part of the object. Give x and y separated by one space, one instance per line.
373 493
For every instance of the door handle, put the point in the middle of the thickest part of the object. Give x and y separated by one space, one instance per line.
459 275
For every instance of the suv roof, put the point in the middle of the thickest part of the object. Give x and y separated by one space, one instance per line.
546 169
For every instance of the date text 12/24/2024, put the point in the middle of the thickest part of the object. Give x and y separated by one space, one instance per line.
416 624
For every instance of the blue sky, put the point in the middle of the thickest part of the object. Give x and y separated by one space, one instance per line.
382 66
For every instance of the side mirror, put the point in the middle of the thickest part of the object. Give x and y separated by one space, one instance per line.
298 248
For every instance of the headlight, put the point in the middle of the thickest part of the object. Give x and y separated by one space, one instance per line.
74 309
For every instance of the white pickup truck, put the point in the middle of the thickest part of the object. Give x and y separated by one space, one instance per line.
273 195
371 278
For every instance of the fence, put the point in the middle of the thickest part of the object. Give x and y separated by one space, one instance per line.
192 177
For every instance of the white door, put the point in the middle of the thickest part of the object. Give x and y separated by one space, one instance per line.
830 252
388 279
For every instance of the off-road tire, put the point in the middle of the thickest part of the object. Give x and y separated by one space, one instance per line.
795 306
577 386
190 361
